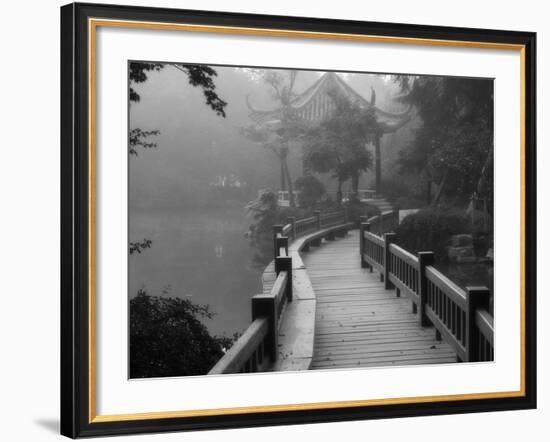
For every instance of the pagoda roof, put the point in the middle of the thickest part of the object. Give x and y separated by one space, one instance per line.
315 104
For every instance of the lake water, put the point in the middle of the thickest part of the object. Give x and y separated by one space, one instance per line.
201 254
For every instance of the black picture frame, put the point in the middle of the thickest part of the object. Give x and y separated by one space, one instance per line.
75 219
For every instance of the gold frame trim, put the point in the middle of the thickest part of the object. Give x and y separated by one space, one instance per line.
93 24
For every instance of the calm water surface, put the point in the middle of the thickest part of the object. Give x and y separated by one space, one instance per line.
201 254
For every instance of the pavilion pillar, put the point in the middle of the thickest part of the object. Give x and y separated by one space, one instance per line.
283 177
378 164
306 167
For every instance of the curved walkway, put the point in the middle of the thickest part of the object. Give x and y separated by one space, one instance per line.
359 323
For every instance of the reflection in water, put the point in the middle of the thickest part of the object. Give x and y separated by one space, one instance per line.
200 253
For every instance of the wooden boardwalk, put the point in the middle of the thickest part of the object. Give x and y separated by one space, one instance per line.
359 323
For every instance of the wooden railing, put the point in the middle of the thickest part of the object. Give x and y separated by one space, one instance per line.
256 349
385 222
333 218
296 228
459 316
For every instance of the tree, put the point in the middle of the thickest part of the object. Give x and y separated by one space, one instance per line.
197 76
167 338
265 212
453 146
276 139
278 135
337 145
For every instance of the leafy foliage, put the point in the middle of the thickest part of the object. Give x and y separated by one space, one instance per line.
202 76
138 138
311 190
454 144
337 145
138 74
167 338
197 75
278 135
430 229
264 212
138 246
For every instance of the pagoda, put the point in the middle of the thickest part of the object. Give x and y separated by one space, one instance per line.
315 104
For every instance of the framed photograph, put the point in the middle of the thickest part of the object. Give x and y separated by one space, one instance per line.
279 220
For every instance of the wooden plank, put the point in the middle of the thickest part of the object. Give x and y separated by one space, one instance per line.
384 362
358 322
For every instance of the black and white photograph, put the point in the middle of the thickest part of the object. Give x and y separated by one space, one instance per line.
274 221
289 220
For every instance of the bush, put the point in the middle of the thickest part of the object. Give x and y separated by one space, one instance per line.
430 229
311 190
167 338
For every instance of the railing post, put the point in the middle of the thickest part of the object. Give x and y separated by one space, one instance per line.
281 241
292 221
264 306
475 297
363 227
317 214
424 259
344 231
277 228
388 239
363 219
367 228
284 264
395 218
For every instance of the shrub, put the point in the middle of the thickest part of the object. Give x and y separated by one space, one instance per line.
167 338
431 229
311 190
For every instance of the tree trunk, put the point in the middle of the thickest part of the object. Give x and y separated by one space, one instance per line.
440 189
306 168
378 165
428 191
339 192
286 171
283 177
355 184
